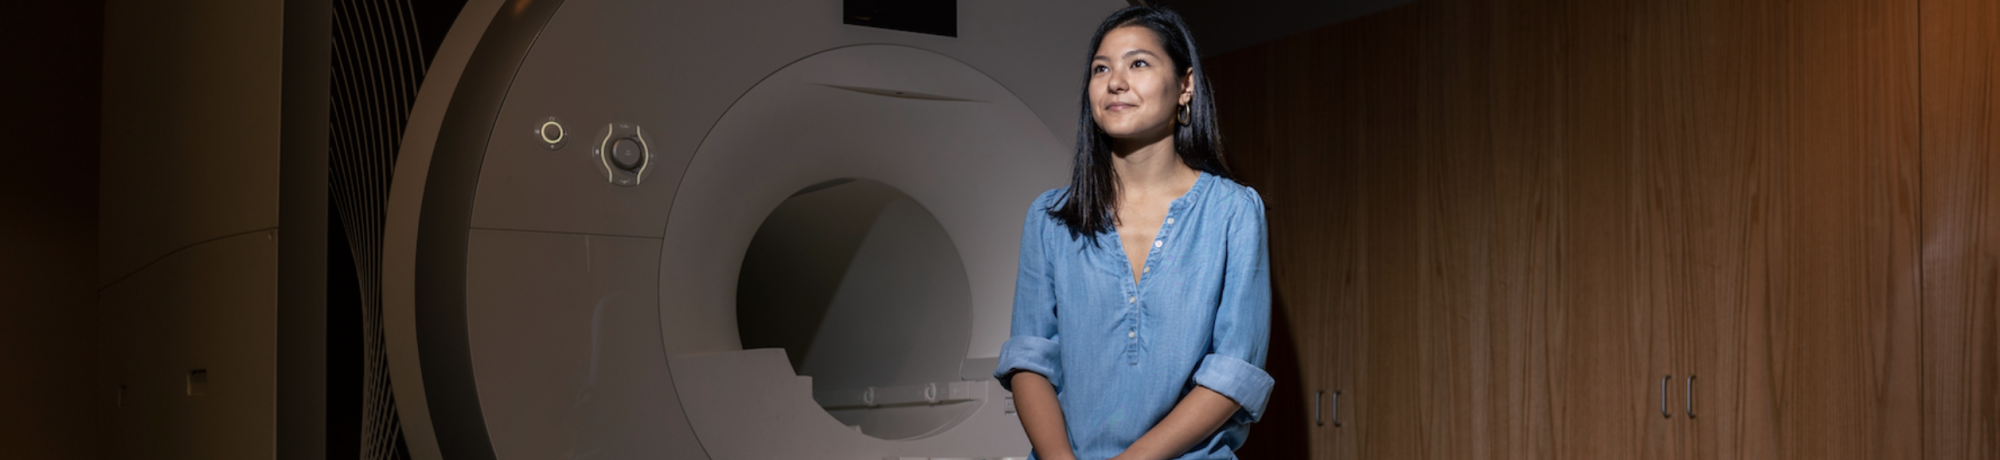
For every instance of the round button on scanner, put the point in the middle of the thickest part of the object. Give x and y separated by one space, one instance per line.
552 132
626 154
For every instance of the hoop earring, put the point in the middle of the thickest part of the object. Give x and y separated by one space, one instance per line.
1183 118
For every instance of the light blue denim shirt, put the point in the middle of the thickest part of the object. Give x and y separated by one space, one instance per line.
1122 355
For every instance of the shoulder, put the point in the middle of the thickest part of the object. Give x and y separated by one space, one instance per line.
1038 210
1238 199
1049 198
1038 224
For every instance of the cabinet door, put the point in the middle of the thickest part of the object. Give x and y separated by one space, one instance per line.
1843 299
1381 410
1707 119
1692 76
1341 184
1721 163
1603 365
1961 229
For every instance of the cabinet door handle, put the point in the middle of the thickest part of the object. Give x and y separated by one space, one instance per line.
1316 419
1665 382
1690 395
1336 408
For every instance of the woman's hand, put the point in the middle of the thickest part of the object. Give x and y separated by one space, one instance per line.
1196 417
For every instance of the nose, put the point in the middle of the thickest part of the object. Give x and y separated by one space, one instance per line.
1115 83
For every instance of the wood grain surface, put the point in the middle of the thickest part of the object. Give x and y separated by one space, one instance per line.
1497 225
1961 229
1601 389
1843 312
1705 110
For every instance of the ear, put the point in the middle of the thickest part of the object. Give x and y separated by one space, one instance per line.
1187 87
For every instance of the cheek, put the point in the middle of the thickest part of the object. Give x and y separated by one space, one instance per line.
1161 98
1168 92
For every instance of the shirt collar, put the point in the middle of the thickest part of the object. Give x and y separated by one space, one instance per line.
1201 183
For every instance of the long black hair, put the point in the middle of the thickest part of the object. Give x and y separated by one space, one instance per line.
1089 205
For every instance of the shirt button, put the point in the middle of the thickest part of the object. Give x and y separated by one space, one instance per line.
1133 299
1146 270
1158 243
1170 221
1133 334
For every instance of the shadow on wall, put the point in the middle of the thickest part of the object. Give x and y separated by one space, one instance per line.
48 232
1282 433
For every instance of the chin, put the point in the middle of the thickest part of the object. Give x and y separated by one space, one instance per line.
1123 130
1120 133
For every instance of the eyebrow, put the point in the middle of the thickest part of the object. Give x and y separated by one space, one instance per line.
1101 57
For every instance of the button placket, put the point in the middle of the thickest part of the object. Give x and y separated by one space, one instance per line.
1166 231
1136 313
1131 325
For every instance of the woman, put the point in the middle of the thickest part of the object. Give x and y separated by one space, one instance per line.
1142 308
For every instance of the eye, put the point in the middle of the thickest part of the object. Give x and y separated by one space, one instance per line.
1099 69
1141 64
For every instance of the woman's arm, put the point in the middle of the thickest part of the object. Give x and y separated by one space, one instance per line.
1031 359
1196 417
1041 416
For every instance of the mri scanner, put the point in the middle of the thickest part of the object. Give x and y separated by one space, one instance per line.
721 229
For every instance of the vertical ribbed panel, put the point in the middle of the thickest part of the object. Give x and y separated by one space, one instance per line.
381 49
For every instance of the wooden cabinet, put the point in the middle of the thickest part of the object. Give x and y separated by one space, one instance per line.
1708 98
1498 226
1959 368
1843 277
1779 147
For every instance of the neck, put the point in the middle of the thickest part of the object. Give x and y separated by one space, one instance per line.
1150 165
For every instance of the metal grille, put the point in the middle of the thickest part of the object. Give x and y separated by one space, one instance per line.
381 51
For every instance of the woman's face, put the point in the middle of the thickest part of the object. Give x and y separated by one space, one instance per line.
1134 91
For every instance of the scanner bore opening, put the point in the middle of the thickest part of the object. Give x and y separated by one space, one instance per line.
864 290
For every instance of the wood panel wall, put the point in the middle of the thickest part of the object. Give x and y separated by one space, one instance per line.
1960 410
1511 228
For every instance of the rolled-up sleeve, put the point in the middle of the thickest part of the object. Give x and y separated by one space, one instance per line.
1033 345
1234 366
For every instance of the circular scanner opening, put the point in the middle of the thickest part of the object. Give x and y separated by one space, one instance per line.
864 290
